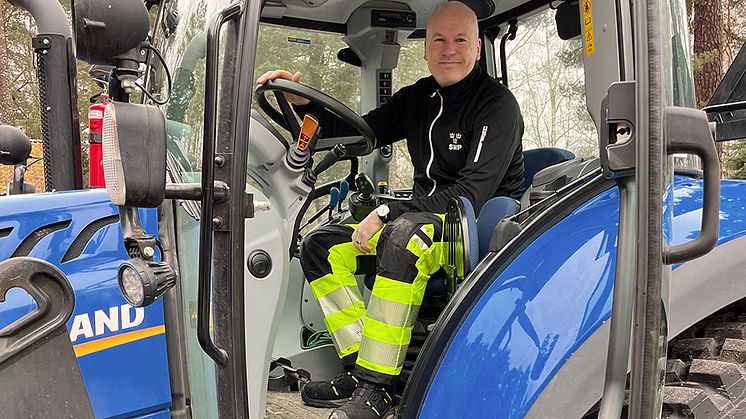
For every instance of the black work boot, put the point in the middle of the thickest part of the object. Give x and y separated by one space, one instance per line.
329 393
369 401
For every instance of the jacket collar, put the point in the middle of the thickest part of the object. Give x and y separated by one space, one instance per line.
456 90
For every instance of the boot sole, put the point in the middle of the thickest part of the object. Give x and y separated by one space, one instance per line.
333 404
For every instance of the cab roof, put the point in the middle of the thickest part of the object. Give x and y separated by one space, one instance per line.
332 15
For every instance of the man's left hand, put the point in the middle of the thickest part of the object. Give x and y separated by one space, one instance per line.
365 230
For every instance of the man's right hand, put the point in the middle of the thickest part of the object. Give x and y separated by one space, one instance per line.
283 74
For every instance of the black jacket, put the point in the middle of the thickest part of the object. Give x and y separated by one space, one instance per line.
464 140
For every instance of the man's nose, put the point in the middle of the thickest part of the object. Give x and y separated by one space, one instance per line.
449 48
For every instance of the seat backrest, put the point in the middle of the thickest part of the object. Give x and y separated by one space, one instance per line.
540 158
491 213
471 235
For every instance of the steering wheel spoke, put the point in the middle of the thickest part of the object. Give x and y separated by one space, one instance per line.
288 115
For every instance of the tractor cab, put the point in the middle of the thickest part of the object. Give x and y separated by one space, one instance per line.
522 289
558 59
353 56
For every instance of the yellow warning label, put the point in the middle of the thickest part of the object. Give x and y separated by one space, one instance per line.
590 44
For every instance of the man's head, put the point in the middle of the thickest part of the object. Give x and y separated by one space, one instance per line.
452 43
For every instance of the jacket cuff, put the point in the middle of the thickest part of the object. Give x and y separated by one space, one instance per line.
396 209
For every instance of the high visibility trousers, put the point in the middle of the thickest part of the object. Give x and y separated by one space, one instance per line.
406 252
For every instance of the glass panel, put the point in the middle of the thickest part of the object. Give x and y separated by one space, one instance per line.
545 74
411 67
181 39
312 53
678 79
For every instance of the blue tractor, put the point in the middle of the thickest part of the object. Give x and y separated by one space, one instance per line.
615 290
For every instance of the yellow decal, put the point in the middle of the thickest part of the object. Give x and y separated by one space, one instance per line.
111 341
590 43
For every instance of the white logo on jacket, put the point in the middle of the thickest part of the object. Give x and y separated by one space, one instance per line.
455 138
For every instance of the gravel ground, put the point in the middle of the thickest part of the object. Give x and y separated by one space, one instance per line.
283 405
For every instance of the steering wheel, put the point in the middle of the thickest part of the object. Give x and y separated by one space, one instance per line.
354 146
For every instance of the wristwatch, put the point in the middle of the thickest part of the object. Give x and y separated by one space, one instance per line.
383 213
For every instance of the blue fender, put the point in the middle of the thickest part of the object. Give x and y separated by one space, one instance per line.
121 350
532 316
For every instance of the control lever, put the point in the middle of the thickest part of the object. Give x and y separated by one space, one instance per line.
333 199
298 156
337 153
344 188
362 202
332 203
365 185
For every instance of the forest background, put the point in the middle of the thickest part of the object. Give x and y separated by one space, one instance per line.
717 32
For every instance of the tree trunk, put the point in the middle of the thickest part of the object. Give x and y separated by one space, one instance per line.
708 50
7 115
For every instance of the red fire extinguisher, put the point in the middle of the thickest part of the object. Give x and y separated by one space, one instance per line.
95 129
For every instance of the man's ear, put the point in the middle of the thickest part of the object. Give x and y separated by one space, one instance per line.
424 54
479 48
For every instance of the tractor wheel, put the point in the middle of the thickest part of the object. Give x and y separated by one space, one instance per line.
705 371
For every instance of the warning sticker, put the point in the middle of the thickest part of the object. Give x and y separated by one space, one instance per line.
590 43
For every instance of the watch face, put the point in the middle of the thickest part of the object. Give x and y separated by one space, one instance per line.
382 211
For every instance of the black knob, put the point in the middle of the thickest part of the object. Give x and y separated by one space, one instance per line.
259 263
364 184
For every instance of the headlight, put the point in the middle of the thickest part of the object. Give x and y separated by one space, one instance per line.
134 154
143 282
112 158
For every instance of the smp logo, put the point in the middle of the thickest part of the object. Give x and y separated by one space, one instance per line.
455 138
100 322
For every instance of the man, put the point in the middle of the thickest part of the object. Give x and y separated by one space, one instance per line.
463 132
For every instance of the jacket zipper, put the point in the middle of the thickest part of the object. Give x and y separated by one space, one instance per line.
430 137
481 141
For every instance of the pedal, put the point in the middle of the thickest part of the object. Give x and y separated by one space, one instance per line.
292 379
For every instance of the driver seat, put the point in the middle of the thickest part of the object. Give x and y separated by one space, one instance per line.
468 237
462 226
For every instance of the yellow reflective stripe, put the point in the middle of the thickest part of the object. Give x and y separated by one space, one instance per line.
398 291
430 261
429 230
393 313
379 368
338 299
383 354
348 315
387 333
413 246
330 283
350 350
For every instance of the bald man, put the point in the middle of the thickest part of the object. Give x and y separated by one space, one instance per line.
463 131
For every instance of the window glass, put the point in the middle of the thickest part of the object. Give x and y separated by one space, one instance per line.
545 73
411 67
314 54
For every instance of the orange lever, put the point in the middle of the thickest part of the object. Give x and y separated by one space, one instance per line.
307 131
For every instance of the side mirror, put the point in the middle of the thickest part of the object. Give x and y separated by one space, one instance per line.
134 154
567 19
15 147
